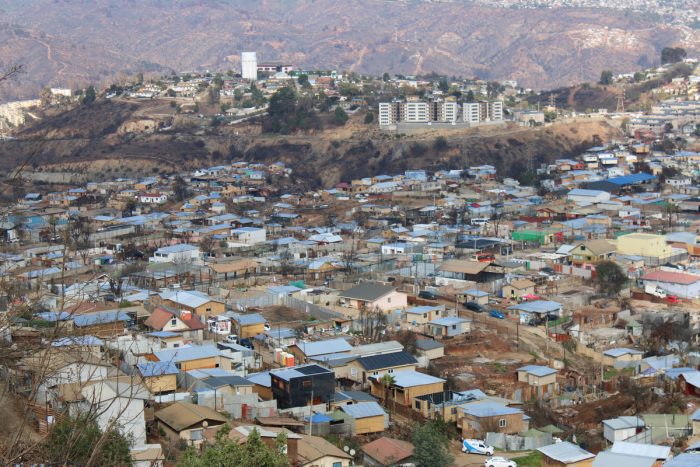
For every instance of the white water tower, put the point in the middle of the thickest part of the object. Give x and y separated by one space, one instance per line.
249 65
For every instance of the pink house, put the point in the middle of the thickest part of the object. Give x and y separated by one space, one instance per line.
371 295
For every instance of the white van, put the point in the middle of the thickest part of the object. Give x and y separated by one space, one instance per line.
475 446
480 221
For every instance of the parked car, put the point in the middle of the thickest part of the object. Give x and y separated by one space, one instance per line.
232 338
427 294
473 306
549 271
247 343
476 446
499 462
497 314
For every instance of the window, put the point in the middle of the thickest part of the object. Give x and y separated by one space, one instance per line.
208 310
454 326
454 410
178 366
417 405
337 464
173 322
388 300
196 435
391 370
502 423
306 384
353 371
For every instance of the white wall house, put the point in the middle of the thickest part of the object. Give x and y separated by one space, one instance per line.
153 198
248 236
182 253
579 195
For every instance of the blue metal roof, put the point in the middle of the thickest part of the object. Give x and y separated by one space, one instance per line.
363 410
82 341
102 317
621 351
537 306
488 409
537 370
632 179
157 369
320 418
184 354
448 321
684 460
329 346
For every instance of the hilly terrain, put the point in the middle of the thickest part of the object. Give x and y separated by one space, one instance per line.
76 42
113 138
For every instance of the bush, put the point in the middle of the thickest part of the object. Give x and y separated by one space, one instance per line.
340 118
440 143
369 118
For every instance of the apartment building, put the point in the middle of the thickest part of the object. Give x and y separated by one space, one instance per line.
417 111
482 111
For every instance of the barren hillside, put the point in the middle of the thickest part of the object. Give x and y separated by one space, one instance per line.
73 42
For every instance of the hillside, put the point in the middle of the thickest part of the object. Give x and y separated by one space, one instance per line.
73 43
91 141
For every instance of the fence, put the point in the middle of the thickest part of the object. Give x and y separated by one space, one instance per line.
516 442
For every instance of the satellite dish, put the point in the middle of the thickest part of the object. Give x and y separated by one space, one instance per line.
352 452
346 448
205 423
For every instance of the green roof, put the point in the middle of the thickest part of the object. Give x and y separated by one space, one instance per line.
551 429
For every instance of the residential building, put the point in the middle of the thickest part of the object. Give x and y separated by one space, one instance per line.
369 417
179 254
187 422
406 386
450 326
387 452
482 111
302 385
371 296
542 378
477 418
565 454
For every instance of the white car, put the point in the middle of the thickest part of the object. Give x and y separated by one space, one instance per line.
499 462
476 446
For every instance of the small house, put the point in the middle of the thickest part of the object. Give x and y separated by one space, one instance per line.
542 378
158 377
187 422
371 296
369 417
450 326
386 452
565 454
622 428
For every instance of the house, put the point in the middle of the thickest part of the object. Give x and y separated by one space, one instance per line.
652 248
235 269
430 349
565 454
189 358
193 301
406 385
420 315
386 452
653 451
249 325
680 284
622 357
122 399
158 377
536 309
611 459
186 421
153 198
518 288
369 417
473 295
314 451
301 385
101 324
304 350
622 428
371 296
247 236
579 195
174 328
477 418
450 326
178 254
361 368
542 378
592 252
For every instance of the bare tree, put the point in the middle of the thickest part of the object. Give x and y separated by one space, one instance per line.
11 72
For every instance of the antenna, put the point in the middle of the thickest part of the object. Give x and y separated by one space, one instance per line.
620 96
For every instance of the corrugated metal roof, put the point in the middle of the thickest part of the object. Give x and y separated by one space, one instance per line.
537 306
671 277
184 354
639 449
621 351
329 346
488 409
448 321
408 379
537 370
611 459
565 452
684 460
367 291
363 410
102 317
157 369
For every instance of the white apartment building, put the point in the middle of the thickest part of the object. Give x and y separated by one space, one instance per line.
448 111
387 113
416 112
249 65
470 112
483 111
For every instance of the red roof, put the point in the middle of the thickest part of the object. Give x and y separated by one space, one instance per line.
193 323
671 277
158 319
388 450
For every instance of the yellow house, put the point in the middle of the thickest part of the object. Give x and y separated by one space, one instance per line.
592 252
186 421
188 358
519 288
543 378
193 301
406 385
647 245
158 377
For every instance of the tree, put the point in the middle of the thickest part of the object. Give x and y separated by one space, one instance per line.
639 77
443 85
181 189
672 54
339 116
90 95
303 81
386 77
79 441
387 381
470 96
440 143
10 72
282 102
431 446
610 278
606 77
369 118
253 453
